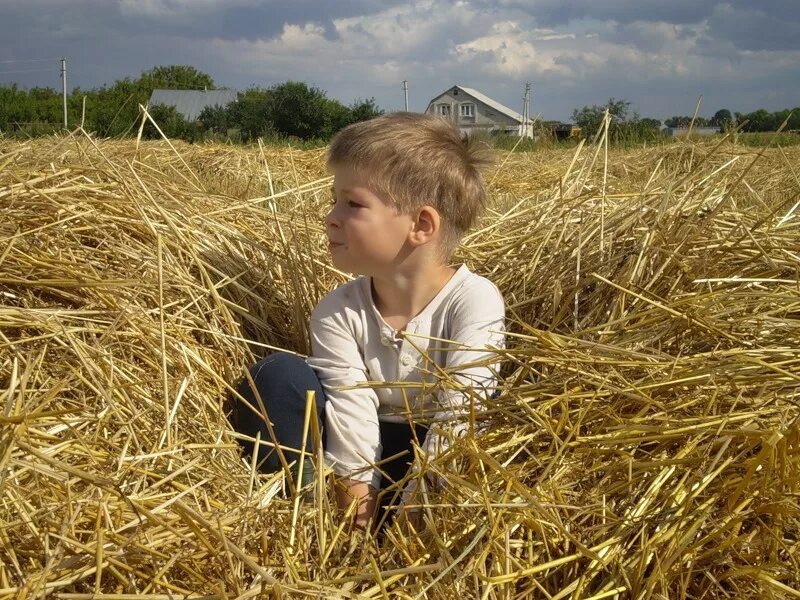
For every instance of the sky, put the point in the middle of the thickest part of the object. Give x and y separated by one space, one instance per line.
660 55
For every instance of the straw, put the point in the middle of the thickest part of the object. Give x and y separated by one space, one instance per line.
644 445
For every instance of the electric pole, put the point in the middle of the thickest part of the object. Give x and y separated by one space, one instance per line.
405 92
530 101
526 108
64 87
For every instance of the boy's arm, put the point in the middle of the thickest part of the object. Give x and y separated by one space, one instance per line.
351 415
477 322
365 495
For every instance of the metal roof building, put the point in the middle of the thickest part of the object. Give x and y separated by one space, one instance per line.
190 103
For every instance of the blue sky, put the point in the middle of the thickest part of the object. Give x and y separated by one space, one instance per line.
658 54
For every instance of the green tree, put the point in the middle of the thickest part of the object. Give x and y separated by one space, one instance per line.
590 118
678 121
175 77
648 123
758 120
722 119
251 114
215 118
171 123
299 110
114 110
337 117
364 110
289 109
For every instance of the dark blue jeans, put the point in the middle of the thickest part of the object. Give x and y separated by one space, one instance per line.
282 380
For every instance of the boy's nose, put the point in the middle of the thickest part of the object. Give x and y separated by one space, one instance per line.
330 218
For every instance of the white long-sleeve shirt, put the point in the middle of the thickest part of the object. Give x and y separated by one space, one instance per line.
351 345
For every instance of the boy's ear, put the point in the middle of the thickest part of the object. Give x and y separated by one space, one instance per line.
426 225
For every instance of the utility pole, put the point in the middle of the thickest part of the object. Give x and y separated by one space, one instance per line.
64 87
526 108
530 101
405 92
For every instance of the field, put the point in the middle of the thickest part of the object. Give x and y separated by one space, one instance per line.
646 443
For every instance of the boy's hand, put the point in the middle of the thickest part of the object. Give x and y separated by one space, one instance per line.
363 494
412 521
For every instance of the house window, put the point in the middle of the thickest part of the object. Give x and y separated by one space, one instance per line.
468 110
443 110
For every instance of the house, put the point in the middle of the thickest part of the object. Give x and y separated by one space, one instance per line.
472 111
190 103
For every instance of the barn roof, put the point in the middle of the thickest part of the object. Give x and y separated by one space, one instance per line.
190 103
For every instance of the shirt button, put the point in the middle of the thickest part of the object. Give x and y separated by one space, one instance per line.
406 360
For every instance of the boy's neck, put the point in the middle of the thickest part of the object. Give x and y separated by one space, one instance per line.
401 296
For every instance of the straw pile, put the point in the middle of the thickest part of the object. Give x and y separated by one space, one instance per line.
646 443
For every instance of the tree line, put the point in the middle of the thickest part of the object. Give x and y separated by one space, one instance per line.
289 109
626 123
758 120
292 109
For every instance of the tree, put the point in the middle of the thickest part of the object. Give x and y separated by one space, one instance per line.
215 118
175 77
678 121
288 109
337 117
722 119
364 110
758 120
590 118
299 110
171 123
114 110
251 113
648 123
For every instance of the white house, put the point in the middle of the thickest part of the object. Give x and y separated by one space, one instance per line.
470 111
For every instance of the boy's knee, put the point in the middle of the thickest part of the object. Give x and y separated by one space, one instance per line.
277 363
287 377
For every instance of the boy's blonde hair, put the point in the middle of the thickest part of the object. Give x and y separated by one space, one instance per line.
414 160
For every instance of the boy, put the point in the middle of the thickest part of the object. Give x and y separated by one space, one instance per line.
406 188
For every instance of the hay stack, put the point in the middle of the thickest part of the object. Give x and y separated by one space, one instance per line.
645 445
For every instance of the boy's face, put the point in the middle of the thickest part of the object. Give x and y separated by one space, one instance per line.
366 235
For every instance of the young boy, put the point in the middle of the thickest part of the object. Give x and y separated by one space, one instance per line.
406 188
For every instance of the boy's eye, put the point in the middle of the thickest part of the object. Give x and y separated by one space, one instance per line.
352 204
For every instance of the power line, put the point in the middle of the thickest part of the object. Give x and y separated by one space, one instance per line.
53 69
19 60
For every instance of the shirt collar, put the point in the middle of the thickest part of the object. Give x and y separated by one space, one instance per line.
387 332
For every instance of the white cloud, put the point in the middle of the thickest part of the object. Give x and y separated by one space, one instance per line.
510 50
382 47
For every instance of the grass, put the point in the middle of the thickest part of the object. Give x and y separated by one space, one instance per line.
760 140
